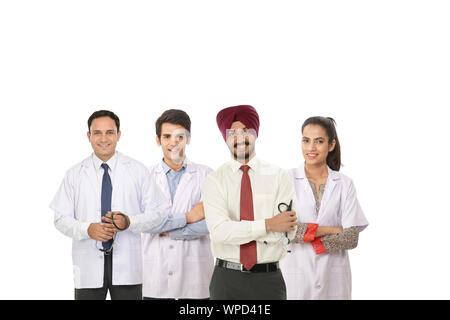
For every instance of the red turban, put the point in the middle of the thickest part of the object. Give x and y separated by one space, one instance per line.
245 114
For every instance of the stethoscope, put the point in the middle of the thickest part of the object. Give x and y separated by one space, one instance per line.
282 207
108 251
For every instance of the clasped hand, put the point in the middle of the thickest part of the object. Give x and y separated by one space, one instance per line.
104 231
282 222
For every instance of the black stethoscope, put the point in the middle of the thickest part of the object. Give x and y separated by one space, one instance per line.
282 207
108 251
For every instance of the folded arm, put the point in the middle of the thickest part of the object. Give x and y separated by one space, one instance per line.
190 231
327 239
346 240
221 227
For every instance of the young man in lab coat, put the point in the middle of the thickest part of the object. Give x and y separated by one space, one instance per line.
242 198
107 256
177 257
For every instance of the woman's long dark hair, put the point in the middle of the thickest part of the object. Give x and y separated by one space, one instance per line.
334 157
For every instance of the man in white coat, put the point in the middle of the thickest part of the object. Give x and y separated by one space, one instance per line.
107 256
177 258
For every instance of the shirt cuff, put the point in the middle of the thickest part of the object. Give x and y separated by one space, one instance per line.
180 219
84 226
258 229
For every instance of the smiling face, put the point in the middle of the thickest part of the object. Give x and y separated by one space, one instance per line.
241 141
315 145
103 136
173 141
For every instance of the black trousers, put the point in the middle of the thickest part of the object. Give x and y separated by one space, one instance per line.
129 292
229 284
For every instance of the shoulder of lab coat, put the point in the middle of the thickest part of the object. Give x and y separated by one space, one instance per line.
352 214
135 168
202 170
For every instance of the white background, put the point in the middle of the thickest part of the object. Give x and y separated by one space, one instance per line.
380 68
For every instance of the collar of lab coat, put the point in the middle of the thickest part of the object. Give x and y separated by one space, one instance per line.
166 168
299 173
98 162
254 164
112 163
189 166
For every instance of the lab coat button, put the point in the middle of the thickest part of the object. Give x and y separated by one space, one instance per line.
318 286
171 247
170 273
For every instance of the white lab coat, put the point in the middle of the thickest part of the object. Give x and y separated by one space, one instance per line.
77 204
178 268
327 275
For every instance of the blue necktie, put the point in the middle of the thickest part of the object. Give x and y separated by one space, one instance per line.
106 199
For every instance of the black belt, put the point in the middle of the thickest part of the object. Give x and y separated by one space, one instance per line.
262 267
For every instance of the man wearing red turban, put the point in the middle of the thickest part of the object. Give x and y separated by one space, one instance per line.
244 113
248 233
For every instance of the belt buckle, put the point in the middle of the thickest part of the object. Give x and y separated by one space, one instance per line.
107 252
245 271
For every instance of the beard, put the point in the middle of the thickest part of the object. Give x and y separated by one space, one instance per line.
242 155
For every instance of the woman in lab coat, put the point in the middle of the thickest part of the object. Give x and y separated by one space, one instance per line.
330 219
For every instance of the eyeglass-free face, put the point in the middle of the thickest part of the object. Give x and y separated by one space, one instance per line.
173 141
103 137
315 145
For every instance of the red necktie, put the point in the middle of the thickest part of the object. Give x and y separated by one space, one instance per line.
248 251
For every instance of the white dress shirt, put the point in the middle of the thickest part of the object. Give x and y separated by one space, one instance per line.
77 204
221 198
179 268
